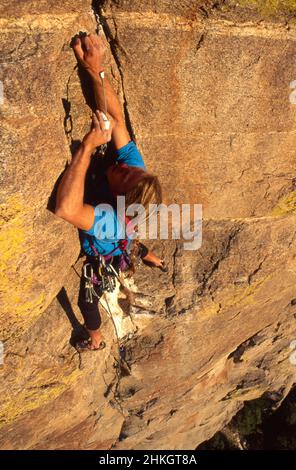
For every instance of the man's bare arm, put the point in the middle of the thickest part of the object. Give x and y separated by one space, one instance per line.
90 52
70 196
120 135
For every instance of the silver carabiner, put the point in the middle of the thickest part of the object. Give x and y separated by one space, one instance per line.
102 261
88 276
85 274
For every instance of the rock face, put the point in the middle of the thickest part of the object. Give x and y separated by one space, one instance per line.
206 87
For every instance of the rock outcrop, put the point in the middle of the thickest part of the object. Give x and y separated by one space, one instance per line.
206 88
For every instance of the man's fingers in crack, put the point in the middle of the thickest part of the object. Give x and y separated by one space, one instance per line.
94 39
87 44
99 41
77 47
96 122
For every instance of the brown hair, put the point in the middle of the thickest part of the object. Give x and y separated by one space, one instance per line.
147 191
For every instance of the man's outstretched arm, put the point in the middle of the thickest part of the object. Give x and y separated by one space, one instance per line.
90 52
120 134
70 196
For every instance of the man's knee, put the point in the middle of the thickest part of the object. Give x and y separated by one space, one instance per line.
90 312
91 315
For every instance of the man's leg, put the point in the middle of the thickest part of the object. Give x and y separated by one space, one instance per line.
153 259
91 315
150 257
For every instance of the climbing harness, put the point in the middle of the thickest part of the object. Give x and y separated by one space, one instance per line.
105 276
125 261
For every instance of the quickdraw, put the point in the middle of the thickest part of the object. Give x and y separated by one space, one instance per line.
107 276
105 280
90 280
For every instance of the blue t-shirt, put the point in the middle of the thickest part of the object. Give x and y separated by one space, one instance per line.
107 228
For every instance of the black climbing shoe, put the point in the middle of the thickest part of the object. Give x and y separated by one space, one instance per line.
84 345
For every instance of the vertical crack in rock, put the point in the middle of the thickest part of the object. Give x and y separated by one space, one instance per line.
252 274
169 301
200 41
68 121
114 45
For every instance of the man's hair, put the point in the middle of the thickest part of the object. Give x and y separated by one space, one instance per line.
147 191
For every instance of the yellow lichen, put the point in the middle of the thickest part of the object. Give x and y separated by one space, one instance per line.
18 297
12 245
12 240
285 205
270 7
245 296
248 393
32 306
232 296
11 209
36 394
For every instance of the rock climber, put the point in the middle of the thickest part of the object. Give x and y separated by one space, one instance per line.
126 176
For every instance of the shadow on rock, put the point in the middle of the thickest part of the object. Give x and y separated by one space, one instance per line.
78 331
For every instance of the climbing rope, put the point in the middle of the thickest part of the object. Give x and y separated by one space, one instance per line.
103 147
121 349
102 75
108 285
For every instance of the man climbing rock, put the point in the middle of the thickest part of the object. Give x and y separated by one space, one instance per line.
127 176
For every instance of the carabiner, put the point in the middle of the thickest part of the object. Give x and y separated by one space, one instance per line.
91 272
